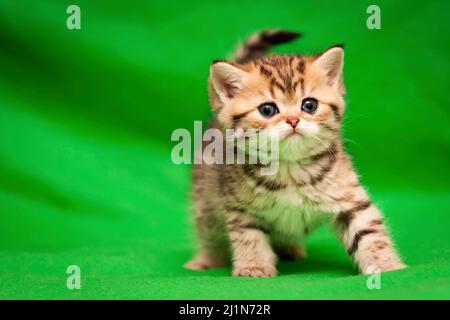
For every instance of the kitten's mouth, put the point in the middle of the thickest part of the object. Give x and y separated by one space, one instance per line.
293 134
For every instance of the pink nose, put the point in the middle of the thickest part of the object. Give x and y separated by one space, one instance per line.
293 121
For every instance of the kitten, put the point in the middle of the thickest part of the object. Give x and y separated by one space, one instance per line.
251 219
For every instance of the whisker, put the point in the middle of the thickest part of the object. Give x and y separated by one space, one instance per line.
331 151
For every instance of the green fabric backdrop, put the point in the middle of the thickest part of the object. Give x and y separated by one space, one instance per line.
85 120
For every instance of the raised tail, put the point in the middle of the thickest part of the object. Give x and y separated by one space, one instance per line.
258 44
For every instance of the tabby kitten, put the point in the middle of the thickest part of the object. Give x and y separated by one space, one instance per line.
251 219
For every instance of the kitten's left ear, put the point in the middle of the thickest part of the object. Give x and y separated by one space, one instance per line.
331 62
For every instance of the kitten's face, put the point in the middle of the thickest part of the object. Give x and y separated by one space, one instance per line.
298 99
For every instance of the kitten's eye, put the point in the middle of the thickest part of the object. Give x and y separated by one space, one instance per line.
309 105
268 110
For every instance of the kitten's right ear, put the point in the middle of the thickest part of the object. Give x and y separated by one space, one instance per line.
226 81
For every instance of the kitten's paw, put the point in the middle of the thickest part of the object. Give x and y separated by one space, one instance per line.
291 252
196 265
256 271
204 262
385 267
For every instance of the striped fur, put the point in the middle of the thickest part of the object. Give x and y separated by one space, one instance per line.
249 219
260 43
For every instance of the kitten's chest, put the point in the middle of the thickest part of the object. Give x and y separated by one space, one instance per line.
289 212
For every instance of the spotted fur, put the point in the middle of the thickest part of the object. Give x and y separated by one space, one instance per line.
250 219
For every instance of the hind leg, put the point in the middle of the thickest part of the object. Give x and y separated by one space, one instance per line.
205 260
213 245
289 249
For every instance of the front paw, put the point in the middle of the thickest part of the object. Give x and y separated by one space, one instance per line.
255 271
384 267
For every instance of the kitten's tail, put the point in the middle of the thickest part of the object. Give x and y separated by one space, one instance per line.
258 44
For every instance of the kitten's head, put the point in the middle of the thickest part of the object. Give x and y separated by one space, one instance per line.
299 98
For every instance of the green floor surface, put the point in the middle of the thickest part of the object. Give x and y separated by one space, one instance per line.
86 176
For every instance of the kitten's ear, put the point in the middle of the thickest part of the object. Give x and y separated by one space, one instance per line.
332 63
226 80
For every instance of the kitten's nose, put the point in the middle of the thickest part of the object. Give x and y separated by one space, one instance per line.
293 121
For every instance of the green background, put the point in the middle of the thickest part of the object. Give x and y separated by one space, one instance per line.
86 115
